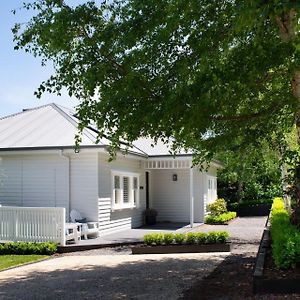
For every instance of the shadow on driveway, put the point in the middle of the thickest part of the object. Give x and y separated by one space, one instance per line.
107 277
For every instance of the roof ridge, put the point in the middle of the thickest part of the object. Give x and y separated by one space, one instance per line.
69 118
25 110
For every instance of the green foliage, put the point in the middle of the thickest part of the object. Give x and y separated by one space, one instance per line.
217 237
234 206
189 238
154 239
217 207
168 238
252 174
220 219
179 238
285 237
218 77
22 248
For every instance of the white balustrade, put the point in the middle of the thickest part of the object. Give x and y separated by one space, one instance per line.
32 224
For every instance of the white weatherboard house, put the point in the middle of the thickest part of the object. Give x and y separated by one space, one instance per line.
41 169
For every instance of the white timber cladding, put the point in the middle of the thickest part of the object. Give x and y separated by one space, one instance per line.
34 180
110 218
84 184
210 187
171 198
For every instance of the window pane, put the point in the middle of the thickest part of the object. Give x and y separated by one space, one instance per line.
135 183
117 196
125 189
117 182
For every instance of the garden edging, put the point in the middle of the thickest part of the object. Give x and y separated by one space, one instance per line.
262 285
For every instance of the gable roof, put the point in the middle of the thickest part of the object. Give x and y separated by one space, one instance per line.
52 126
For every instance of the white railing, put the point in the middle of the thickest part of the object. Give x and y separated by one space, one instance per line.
32 224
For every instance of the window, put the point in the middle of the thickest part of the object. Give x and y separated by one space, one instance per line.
117 190
135 190
125 192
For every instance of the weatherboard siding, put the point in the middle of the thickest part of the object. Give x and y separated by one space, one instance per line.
171 198
34 181
84 184
113 220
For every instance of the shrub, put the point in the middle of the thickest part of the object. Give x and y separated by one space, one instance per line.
168 238
220 219
235 206
22 248
179 238
154 238
189 238
218 207
285 237
201 237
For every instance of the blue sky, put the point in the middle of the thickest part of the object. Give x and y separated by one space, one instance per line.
20 72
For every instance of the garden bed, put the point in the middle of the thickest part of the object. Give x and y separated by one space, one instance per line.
164 249
267 278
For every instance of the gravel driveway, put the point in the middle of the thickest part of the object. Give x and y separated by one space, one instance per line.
108 277
111 273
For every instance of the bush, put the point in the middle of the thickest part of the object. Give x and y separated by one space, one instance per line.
220 219
218 207
179 238
201 237
22 248
235 206
168 238
285 237
154 239
190 238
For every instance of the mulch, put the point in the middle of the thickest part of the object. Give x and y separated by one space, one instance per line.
232 279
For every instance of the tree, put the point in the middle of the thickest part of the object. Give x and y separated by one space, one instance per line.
252 174
209 75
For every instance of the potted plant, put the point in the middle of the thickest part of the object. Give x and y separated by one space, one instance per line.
150 216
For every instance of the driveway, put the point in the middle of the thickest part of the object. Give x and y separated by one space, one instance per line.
112 273
108 277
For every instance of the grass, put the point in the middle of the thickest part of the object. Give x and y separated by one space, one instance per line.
8 261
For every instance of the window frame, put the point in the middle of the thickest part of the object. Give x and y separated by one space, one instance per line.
132 192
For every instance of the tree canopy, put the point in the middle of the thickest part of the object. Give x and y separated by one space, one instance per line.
209 75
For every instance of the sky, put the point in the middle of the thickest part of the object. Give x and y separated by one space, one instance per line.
20 72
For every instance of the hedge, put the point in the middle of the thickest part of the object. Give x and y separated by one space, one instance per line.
22 248
212 237
235 206
220 219
285 237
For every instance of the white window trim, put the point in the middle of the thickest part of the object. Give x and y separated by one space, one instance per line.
131 203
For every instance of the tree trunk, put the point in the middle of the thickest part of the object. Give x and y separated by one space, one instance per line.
287 22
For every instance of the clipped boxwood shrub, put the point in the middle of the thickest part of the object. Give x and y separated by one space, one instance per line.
248 203
285 237
23 248
220 219
190 238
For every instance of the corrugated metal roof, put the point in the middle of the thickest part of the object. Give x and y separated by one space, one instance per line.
152 149
44 126
53 126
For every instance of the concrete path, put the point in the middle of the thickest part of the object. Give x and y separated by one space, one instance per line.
108 277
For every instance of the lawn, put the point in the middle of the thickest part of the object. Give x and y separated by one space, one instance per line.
7 261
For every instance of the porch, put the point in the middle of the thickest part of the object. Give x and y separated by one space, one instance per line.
127 236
